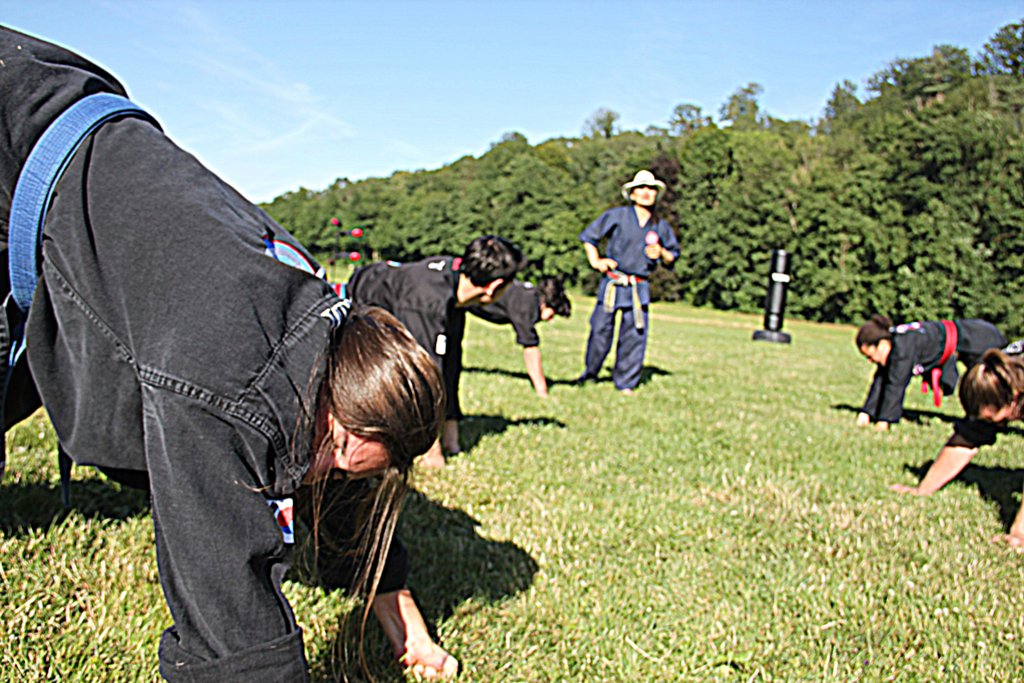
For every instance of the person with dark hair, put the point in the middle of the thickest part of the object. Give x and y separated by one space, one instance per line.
429 297
523 305
929 349
637 241
182 341
991 394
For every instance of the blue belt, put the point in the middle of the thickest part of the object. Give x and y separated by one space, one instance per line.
44 167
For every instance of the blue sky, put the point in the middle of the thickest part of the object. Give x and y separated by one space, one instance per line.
274 96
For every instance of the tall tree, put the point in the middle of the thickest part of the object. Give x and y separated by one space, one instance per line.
687 118
602 123
1004 52
742 110
842 102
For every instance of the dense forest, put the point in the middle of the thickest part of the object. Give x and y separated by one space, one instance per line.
907 199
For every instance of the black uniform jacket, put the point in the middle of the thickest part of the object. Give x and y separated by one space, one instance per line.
421 294
916 349
518 306
164 340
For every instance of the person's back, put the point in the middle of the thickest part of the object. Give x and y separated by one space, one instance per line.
168 342
421 294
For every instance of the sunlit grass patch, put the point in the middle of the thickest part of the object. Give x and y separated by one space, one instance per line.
727 523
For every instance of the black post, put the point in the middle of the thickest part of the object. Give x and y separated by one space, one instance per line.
775 300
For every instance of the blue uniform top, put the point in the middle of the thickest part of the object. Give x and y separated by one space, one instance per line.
626 245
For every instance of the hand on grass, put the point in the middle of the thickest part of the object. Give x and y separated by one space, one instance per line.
1015 541
428 661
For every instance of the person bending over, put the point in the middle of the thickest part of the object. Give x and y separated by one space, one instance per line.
430 297
929 349
991 394
182 341
523 305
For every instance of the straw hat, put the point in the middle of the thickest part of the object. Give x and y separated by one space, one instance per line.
643 177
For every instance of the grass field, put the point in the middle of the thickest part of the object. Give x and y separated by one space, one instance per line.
727 523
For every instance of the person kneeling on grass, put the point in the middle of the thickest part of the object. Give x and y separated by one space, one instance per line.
522 306
991 394
930 349
182 341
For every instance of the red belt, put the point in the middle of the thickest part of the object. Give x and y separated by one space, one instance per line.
936 373
622 279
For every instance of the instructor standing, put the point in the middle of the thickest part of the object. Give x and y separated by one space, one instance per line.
637 240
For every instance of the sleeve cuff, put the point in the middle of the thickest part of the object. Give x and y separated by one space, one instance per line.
278 660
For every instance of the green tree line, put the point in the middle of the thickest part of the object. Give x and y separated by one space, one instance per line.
907 199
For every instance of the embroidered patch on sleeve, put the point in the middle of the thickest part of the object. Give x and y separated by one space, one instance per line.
284 514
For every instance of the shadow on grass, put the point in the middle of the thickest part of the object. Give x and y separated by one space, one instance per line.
919 416
38 506
909 414
453 568
998 485
647 373
517 374
651 371
472 428
453 564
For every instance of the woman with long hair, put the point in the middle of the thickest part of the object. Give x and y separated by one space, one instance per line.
182 341
991 393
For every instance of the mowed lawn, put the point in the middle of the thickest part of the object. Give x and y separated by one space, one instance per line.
727 523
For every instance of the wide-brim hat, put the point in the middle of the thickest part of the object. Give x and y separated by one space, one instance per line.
644 177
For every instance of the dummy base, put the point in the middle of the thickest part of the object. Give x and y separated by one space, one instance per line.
772 336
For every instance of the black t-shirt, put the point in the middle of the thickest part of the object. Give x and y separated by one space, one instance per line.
519 306
974 433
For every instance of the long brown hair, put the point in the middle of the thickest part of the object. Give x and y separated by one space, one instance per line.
996 381
377 382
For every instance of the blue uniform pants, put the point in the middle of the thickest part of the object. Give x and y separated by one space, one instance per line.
629 354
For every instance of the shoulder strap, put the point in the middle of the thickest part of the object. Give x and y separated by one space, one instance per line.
45 164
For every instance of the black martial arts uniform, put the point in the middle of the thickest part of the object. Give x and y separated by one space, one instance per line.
518 306
422 295
917 348
170 349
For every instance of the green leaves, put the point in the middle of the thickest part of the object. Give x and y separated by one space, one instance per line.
909 202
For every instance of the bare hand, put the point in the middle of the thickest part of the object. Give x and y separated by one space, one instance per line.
903 488
603 265
863 419
653 251
1011 539
428 661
